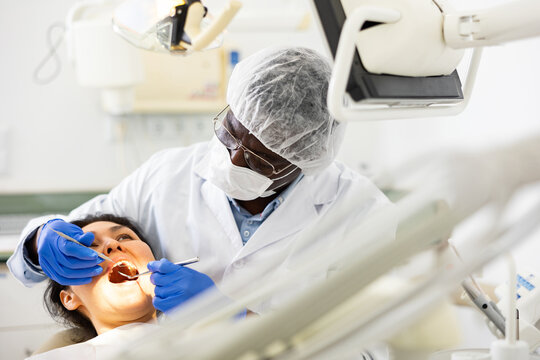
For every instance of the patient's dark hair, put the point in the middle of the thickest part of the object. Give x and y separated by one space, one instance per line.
84 330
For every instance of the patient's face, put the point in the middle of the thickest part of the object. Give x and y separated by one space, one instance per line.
109 304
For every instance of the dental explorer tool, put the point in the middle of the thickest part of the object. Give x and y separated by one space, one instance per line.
104 257
183 262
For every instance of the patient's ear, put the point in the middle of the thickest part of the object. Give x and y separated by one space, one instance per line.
70 300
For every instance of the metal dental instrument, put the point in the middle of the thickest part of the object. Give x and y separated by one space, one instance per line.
488 307
104 257
183 262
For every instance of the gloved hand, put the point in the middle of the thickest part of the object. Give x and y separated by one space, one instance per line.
64 261
175 284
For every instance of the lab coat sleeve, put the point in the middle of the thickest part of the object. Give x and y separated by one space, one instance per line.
19 263
371 200
131 198
123 200
385 206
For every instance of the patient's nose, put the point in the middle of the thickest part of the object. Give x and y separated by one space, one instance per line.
112 245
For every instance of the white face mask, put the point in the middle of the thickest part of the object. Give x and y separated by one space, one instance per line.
238 182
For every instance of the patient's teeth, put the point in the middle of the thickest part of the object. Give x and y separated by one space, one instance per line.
124 267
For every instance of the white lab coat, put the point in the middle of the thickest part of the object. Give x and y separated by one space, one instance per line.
183 216
103 346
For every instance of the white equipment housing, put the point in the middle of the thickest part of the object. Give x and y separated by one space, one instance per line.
101 58
412 40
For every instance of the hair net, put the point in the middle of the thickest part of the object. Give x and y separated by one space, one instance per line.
279 95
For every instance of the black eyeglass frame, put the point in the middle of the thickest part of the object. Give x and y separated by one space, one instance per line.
218 124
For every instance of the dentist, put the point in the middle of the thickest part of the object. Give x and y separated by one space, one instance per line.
238 202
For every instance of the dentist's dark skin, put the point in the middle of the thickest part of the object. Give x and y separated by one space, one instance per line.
248 140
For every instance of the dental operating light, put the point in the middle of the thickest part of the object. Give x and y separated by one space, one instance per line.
172 26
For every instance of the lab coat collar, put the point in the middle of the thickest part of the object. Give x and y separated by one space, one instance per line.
324 186
217 202
273 205
301 207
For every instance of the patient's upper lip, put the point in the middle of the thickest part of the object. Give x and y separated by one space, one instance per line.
117 259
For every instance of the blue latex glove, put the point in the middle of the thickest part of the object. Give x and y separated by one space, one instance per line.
175 284
64 261
241 315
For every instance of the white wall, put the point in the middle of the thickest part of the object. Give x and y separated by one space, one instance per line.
61 123
49 126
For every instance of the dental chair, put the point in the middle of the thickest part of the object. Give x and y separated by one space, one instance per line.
60 339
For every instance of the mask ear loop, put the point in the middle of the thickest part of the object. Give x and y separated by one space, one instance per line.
271 191
289 173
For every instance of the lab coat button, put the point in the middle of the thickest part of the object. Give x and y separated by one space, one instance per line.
239 264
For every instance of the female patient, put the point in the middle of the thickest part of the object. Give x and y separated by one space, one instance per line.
111 307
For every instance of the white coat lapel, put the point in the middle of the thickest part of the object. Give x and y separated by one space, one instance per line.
217 202
287 220
297 211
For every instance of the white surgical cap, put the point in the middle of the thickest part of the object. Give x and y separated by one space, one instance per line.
279 95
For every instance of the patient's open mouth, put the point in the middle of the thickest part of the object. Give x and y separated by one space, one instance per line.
119 269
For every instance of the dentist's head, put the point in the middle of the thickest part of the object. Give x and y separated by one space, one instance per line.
279 96
277 124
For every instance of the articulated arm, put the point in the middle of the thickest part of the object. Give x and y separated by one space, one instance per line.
511 21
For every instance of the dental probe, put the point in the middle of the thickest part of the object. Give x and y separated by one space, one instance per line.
183 262
104 257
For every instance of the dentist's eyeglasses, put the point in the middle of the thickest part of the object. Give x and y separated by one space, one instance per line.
254 161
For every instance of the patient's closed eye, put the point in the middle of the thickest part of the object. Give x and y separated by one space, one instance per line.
124 237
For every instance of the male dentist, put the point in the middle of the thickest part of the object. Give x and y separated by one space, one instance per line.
239 201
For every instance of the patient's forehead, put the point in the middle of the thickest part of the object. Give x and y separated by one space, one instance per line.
104 227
